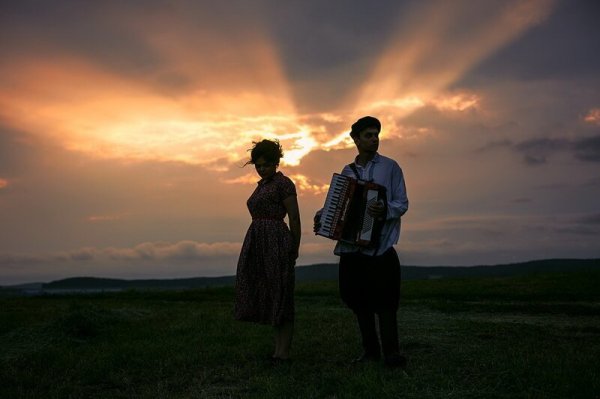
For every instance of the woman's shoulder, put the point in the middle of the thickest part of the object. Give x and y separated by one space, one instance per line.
282 178
284 182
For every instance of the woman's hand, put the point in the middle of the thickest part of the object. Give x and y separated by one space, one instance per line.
291 206
317 221
294 256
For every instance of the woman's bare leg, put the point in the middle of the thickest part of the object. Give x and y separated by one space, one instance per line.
283 340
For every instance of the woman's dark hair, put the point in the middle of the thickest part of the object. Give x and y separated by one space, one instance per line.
270 150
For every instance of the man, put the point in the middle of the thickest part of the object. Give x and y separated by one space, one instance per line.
369 278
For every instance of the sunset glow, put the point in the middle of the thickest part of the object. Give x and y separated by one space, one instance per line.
304 185
410 74
593 116
124 128
94 111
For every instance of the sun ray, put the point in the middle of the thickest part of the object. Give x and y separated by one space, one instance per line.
89 109
423 59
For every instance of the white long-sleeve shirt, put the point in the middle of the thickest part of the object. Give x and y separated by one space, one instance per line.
386 172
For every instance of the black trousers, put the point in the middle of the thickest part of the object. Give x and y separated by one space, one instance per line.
370 286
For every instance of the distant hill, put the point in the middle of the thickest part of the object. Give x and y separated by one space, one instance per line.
330 271
102 283
309 273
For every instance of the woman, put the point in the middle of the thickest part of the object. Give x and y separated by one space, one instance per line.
265 271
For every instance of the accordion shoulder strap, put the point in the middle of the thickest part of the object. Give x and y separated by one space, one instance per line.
355 170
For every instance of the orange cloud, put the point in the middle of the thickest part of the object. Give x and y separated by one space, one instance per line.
233 88
86 109
3 183
248 178
304 185
457 102
233 91
103 218
397 108
182 250
593 116
423 58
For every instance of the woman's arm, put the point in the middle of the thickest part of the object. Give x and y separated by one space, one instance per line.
291 205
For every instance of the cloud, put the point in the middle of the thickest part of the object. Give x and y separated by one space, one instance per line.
104 97
70 27
587 149
111 111
461 240
457 102
590 219
158 259
305 184
248 178
17 149
96 78
522 200
558 49
429 51
593 116
57 198
538 151
123 123
183 251
83 109
104 218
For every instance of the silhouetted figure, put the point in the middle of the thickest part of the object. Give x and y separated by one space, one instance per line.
264 288
369 278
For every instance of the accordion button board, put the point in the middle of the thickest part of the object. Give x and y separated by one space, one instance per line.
345 217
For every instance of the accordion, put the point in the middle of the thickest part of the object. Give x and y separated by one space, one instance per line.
345 218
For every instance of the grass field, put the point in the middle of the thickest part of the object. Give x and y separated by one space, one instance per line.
536 336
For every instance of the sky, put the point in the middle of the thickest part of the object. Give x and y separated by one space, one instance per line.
124 127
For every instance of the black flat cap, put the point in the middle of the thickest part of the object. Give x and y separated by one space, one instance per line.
363 123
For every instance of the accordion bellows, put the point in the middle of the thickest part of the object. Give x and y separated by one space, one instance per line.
344 217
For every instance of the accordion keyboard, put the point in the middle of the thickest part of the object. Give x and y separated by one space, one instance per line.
332 211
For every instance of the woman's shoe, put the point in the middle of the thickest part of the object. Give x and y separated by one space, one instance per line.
367 357
395 361
280 360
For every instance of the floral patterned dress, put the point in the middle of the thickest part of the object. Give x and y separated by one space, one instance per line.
264 287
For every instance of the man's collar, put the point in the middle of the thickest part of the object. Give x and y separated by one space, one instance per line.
375 159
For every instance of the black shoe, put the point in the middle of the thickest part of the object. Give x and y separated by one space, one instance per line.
367 357
280 360
395 361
